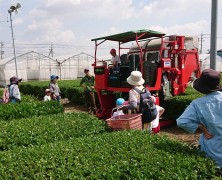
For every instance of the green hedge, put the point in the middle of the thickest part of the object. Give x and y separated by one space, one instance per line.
29 108
119 155
69 89
176 105
1 92
46 129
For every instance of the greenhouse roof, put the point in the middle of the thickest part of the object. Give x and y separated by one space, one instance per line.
9 59
131 35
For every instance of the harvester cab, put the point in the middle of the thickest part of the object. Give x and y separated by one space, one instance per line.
168 64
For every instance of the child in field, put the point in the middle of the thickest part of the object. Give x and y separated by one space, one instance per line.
47 96
155 123
119 102
53 86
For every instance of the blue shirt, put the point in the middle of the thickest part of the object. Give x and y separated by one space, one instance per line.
206 110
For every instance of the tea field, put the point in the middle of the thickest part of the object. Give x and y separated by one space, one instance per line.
79 146
39 141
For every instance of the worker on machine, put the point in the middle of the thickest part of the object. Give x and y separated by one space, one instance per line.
115 61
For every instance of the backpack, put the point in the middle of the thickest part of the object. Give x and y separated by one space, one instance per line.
146 106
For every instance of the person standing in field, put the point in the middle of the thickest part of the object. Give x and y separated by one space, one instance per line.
14 92
87 83
205 113
155 124
54 88
47 96
136 80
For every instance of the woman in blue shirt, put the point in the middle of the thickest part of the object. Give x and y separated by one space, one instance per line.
205 113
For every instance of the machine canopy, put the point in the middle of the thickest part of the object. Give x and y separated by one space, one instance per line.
131 35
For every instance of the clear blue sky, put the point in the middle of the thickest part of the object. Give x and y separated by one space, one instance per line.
71 24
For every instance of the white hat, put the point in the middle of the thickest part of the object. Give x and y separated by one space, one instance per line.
135 78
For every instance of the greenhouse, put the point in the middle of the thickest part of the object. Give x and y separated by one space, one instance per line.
36 66
205 62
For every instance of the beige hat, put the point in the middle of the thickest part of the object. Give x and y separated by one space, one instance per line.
135 78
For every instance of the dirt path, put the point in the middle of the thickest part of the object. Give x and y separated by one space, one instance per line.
173 132
176 133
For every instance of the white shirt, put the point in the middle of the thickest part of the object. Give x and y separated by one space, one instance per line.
115 59
47 98
14 91
118 113
155 122
134 97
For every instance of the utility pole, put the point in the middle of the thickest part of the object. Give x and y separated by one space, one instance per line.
51 50
201 43
14 9
213 38
2 52
13 42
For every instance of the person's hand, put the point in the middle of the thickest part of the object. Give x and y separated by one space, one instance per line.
205 131
207 135
121 108
83 85
54 96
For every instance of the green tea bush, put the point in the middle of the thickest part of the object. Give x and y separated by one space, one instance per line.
75 95
1 92
69 89
176 105
46 129
119 155
29 108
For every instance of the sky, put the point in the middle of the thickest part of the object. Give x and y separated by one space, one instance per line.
67 26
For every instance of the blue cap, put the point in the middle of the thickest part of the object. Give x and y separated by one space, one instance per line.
54 77
120 101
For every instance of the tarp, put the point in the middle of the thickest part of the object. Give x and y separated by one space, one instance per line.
131 35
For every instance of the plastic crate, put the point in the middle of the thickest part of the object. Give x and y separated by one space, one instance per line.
125 122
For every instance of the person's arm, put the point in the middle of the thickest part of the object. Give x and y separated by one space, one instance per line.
16 92
58 89
189 120
114 63
93 82
132 100
119 60
82 83
52 88
161 111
